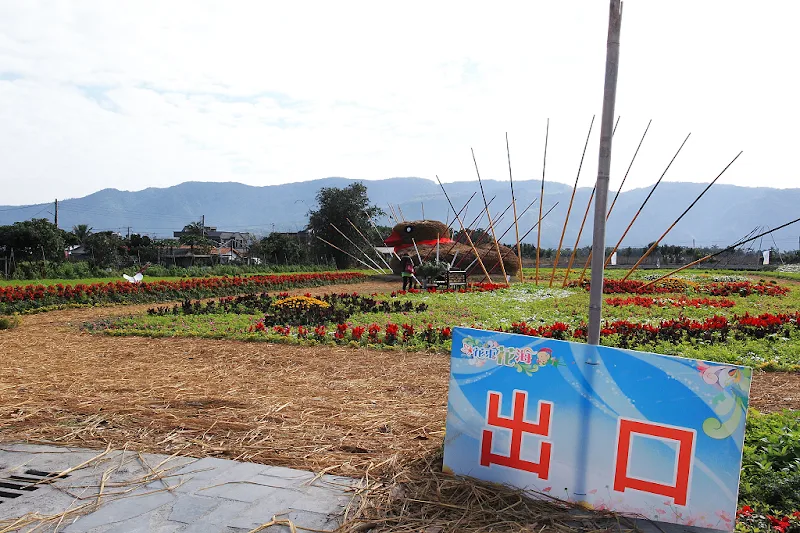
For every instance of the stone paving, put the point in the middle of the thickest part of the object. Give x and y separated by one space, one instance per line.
192 495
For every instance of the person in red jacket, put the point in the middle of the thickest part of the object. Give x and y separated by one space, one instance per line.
407 271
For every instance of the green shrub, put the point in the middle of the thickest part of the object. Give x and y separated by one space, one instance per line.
8 322
770 479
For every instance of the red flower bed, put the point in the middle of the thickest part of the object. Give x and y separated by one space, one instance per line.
18 298
727 288
681 301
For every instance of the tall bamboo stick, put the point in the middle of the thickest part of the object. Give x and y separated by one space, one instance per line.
516 220
731 247
357 248
474 221
483 267
639 211
369 244
619 190
489 217
394 215
526 234
653 246
462 209
578 238
541 201
348 253
569 208
400 210
483 236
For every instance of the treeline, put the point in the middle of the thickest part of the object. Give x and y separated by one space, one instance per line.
667 254
38 249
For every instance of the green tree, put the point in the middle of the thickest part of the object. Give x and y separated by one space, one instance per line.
81 232
33 240
335 207
283 249
194 235
107 249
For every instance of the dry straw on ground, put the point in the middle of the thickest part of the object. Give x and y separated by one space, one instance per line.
357 412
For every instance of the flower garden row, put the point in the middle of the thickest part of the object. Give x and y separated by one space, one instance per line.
712 329
20 298
673 285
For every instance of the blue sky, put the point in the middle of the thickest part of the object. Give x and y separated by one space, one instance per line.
138 94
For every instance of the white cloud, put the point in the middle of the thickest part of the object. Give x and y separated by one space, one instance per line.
138 94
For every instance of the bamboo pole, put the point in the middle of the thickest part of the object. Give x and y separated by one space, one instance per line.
369 243
484 235
357 248
417 250
619 190
729 248
400 210
459 212
516 220
348 253
578 238
393 214
381 236
652 190
422 204
489 217
483 267
601 191
653 246
507 229
474 221
526 234
569 208
541 201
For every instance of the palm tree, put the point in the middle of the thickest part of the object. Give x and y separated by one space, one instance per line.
194 235
82 232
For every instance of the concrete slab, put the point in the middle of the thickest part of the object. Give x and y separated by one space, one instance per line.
156 493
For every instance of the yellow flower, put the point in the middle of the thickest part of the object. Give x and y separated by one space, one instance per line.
301 302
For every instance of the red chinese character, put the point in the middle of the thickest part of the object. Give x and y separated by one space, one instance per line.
518 426
683 466
524 355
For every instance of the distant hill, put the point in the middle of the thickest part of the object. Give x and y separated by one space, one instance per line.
725 214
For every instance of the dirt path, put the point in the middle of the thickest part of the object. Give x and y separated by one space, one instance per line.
317 408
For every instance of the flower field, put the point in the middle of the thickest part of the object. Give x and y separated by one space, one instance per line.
746 322
17 298
742 321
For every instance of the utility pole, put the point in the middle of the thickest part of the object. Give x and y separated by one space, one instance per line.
203 223
603 170
55 216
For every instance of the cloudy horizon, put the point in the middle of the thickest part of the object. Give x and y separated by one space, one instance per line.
146 94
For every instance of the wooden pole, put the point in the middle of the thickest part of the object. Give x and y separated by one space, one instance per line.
653 246
477 255
393 214
569 208
485 235
474 221
400 210
516 220
652 190
348 253
369 243
417 249
619 190
462 209
489 217
604 170
541 201
729 248
357 248
526 234
422 204
578 238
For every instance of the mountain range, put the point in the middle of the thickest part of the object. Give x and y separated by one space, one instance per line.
725 214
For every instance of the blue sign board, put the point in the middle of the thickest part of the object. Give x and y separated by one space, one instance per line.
634 432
